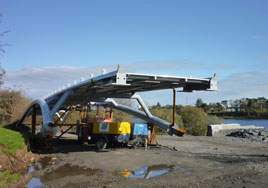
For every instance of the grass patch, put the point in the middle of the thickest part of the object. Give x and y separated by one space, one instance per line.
11 141
7 178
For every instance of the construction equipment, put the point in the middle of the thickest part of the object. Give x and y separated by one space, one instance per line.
96 126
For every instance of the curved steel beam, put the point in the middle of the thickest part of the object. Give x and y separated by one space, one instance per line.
44 109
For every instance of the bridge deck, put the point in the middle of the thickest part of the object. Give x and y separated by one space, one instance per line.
119 84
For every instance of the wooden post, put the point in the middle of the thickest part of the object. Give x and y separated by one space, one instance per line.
152 138
33 119
174 107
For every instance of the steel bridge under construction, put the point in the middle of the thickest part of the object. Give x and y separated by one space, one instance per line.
107 87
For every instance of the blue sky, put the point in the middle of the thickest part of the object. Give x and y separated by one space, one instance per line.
54 42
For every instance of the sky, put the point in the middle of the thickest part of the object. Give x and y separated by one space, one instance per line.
53 43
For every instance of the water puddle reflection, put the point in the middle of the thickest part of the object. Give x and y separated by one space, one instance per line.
35 182
49 174
67 170
150 171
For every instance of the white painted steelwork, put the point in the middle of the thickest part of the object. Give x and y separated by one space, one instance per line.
116 84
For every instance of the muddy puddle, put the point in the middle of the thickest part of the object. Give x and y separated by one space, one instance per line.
49 174
155 170
150 171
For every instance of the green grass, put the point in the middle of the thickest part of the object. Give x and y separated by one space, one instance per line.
11 141
6 178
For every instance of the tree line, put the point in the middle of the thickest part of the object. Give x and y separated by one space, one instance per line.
251 108
192 119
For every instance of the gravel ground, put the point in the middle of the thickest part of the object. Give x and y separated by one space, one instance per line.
183 162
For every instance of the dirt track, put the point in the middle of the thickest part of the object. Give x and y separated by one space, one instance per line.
190 161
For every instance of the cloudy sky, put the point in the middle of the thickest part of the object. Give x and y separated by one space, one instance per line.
53 43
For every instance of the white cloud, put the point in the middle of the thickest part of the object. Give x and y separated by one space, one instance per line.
239 85
39 81
259 37
247 84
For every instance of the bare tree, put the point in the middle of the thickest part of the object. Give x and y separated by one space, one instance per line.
2 51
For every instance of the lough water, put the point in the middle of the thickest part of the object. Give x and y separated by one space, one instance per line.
256 122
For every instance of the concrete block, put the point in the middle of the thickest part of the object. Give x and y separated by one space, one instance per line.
224 129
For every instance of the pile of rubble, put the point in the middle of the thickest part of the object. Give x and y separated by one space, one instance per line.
260 135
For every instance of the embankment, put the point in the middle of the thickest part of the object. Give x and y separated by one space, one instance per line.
14 156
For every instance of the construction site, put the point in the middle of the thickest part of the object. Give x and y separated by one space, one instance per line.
98 152
94 99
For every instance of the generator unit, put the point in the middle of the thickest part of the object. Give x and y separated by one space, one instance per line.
140 134
105 133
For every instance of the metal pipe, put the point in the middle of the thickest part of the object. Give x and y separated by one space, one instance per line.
57 114
60 102
143 105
